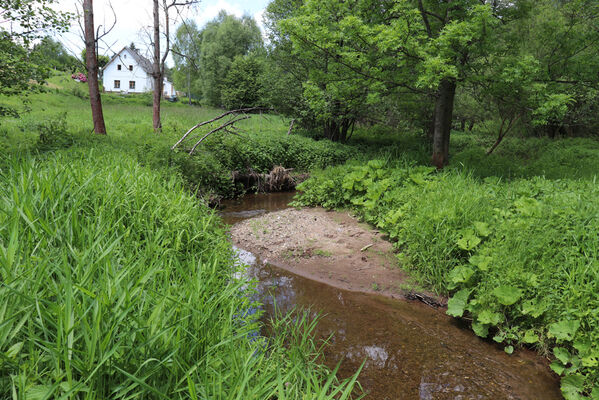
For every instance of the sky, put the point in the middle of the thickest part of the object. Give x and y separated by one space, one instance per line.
134 15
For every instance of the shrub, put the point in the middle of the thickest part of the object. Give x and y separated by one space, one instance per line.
53 133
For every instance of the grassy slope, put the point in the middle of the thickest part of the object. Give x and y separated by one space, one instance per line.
262 145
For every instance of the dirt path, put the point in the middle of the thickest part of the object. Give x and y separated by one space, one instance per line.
331 247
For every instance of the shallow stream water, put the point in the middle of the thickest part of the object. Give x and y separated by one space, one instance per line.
412 351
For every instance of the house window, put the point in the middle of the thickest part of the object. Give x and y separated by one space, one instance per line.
118 67
117 84
131 84
130 67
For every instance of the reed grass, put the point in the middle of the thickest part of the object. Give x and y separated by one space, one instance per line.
116 284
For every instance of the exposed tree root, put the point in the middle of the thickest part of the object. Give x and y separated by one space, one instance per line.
280 179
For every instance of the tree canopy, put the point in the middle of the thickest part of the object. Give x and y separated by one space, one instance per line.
29 20
531 62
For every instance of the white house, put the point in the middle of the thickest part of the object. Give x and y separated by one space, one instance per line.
130 72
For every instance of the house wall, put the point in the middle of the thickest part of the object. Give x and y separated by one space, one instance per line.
138 75
168 90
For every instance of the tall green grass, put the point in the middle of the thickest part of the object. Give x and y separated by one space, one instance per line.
115 283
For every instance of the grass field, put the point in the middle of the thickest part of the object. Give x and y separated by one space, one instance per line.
63 114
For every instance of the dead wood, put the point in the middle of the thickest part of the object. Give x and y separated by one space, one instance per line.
503 131
223 126
290 127
228 124
279 179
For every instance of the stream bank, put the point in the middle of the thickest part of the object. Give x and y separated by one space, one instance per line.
412 351
329 247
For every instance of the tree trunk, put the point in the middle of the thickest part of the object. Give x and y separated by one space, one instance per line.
188 86
156 71
91 63
443 119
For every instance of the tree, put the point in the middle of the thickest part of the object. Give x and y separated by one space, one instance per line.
186 55
102 59
91 63
54 54
19 72
221 41
158 56
243 86
421 47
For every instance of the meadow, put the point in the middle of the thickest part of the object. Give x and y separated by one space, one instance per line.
61 115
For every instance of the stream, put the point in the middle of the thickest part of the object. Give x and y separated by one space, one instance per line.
412 351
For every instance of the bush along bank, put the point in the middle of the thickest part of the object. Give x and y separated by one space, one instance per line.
115 283
211 171
519 257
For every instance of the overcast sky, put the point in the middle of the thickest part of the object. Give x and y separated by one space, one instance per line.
134 15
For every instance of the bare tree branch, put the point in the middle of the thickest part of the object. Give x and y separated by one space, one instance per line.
216 130
238 111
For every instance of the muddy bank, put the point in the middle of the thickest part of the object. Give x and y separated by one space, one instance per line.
330 247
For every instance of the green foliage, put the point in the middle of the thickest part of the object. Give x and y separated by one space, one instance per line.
54 55
116 283
221 41
519 256
54 134
20 71
102 60
263 143
186 55
243 86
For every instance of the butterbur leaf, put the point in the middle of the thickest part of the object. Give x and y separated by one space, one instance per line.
564 330
460 274
557 367
590 361
572 385
530 337
482 229
500 337
583 346
481 330
482 262
595 393
489 317
457 304
563 355
468 241
507 295
509 349
527 206
532 308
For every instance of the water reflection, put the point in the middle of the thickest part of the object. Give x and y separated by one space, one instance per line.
411 350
